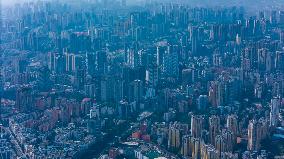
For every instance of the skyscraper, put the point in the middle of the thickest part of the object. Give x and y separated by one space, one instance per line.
209 152
174 140
281 17
273 17
217 93
80 78
170 62
279 61
232 125
187 145
214 128
197 125
252 136
228 137
1 90
274 112
257 130
152 75
136 91
24 99
194 39
160 52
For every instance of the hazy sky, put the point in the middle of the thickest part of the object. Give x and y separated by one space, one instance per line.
9 2
245 3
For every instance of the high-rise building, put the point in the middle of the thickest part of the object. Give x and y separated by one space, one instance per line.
73 62
90 90
1 92
124 110
252 136
174 139
202 102
194 39
261 15
101 62
217 59
279 61
20 65
152 75
187 145
274 112
213 93
209 152
91 63
68 62
214 128
170 62
197 125
77 62
257 130
189 76
24 99
85 106
132 57
190 146
277 89
51 61
273 17
262 58
217 93
176 130
107 89
56 62
220 144
281 17
228 137
281 35
161 51
196 149
232 125
136 91
80 78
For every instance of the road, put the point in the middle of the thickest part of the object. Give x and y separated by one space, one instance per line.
19 150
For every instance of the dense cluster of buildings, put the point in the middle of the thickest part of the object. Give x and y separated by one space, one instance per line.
165 80
5 144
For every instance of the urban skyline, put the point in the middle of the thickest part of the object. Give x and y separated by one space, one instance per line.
145 79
